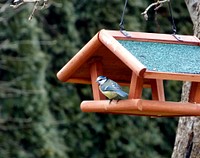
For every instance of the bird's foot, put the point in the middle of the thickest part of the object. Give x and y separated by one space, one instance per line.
118 100
110 101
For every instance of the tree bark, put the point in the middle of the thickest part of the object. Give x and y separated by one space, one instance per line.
192 8
187 143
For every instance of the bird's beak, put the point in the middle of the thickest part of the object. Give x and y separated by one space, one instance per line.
97 82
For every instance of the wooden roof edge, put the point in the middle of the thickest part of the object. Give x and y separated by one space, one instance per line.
122 53
156 37
172 76
142 107
197 39
82 56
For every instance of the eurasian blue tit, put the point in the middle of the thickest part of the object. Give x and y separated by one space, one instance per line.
110 89
16 2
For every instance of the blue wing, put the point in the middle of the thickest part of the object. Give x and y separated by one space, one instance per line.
122 93
114 87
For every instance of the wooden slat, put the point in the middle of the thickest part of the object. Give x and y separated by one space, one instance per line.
157 90
96 70
142 107
171 76
194 96
155 37
136 87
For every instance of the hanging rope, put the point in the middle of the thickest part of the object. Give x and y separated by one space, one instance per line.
172 18
121 24
156 18
172 22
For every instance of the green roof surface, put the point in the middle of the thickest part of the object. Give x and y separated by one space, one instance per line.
162 57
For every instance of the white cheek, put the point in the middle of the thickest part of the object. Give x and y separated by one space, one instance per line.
101 82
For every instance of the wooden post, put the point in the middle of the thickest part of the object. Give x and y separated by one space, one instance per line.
157 89
95 71
194 96
136 87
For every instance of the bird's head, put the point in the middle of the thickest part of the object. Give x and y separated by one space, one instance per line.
101 80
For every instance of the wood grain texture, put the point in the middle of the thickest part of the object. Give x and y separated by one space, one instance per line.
142 107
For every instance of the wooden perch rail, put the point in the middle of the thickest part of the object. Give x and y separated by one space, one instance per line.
142 107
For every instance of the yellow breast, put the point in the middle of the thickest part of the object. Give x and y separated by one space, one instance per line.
109 94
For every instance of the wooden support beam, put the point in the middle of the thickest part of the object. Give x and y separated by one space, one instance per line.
142 107
136 87
172 76
194 96
95 71
157 89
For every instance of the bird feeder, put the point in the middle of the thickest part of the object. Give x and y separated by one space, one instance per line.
138 61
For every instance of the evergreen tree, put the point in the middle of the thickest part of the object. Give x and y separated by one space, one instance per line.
40 116
26 121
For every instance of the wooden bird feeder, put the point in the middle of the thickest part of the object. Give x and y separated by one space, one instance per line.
142 60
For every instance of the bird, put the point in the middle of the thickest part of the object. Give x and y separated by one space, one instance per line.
16 2
110 89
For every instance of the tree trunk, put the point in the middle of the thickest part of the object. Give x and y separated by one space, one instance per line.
187 143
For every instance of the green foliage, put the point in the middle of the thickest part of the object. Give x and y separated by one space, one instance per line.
40 116
26 119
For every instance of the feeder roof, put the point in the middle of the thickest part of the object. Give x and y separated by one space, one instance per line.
149 55
162 57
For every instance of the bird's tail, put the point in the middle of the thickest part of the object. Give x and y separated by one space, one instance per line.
122 93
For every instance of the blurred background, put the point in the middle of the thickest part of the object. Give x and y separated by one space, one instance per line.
40 116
